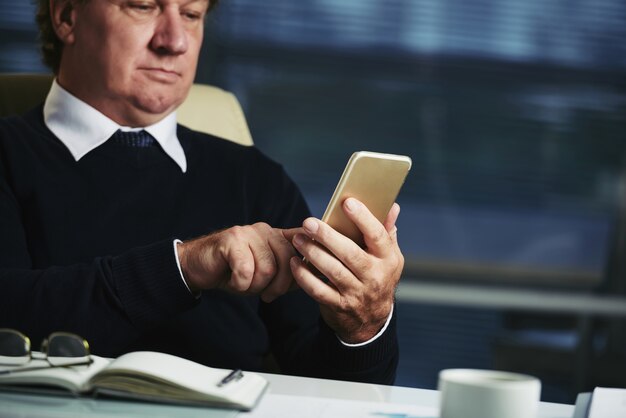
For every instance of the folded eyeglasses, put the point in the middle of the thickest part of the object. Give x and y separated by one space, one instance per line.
59 349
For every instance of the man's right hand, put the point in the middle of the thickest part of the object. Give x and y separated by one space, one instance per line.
243 259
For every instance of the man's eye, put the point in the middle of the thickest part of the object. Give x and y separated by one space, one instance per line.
142 7
192 16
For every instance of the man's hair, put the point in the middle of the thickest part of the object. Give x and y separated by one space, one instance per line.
51 45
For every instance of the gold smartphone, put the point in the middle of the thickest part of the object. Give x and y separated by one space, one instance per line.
374 179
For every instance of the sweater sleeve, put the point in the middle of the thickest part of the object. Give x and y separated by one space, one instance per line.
107 301
301 341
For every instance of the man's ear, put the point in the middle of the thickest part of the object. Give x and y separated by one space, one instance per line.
63 15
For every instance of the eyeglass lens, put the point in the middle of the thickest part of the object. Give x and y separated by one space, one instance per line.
14 347
66 349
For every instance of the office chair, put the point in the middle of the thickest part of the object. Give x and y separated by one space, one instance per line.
207 109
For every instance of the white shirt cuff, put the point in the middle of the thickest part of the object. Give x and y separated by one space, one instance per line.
382 330
180 270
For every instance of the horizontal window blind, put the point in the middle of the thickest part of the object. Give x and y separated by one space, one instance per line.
18 15
583 33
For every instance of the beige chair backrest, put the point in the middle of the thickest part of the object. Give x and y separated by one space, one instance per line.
207 109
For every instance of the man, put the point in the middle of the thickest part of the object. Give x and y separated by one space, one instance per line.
91 217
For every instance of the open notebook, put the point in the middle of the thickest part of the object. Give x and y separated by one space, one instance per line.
144 375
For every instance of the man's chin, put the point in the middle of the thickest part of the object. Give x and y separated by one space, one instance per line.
158 107
141 114
160 92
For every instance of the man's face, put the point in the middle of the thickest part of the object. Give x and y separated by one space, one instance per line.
134 60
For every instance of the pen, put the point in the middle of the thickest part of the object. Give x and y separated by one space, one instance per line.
234 375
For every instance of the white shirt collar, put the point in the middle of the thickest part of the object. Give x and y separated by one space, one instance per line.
82 128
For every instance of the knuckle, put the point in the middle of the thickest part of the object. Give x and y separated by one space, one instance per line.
338 273
345 305
352 258
245 269
400 263
266 270
236 232
380 235
262 227
359 261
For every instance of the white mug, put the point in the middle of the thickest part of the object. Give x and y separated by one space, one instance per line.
470 393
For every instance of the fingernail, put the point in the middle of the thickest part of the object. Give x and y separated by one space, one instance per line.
310 225
298 240
351 204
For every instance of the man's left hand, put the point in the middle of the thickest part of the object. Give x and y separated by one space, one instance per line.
358 295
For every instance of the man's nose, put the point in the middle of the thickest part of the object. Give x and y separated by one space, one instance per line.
170 36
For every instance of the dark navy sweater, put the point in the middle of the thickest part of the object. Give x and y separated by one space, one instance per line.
86 247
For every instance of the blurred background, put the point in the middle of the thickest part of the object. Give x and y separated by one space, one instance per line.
513 218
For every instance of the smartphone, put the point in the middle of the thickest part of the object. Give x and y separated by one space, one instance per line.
373 178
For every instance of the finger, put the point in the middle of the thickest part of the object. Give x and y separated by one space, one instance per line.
265 264
283 279
265 267
326 264
392 218
241 262
390 222
312 285
376 238
343 248
288 234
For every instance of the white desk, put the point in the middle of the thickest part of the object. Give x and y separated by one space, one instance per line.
332 389
303 390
